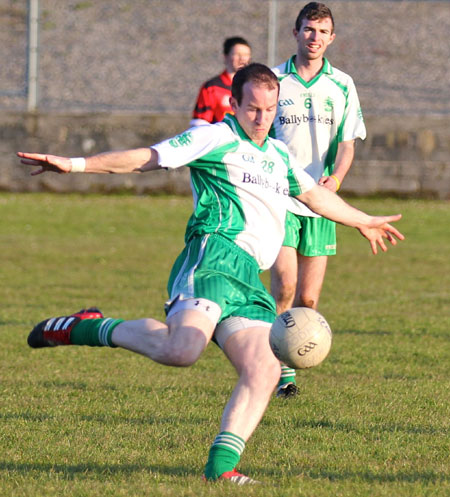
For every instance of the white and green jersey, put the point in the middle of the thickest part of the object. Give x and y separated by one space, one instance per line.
314 117
240 189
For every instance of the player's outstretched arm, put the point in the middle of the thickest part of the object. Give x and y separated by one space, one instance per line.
128 161
375 228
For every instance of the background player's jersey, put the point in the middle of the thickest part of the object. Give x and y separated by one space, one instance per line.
213 100
313 117
240 189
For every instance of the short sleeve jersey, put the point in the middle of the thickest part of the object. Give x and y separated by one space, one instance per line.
213 100
240 190
314 117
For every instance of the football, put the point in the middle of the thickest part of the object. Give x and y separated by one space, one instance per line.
300 338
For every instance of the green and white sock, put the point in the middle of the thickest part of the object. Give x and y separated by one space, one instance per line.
224 454
94 332
287 376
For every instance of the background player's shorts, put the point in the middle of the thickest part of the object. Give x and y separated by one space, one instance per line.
311 236
214 268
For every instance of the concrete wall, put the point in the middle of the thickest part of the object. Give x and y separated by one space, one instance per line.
403 155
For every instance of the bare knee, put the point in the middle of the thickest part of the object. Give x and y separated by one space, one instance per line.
265 377
306 300
181 359
274 374
284 293
183 355
283 282
311 277
188 336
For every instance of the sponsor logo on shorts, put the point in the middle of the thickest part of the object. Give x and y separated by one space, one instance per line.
330 247
197 303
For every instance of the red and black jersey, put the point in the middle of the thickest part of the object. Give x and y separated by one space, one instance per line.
213 100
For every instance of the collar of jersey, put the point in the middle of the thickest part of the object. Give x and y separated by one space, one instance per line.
226 78
291 69
233 123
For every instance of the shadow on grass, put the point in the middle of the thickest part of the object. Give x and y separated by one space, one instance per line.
71 471
340 426
427 477
370 477
378 428
363 332
319 424
111 419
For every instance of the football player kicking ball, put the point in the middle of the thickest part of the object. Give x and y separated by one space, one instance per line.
241 179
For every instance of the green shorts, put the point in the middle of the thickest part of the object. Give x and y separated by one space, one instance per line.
214 268
311 236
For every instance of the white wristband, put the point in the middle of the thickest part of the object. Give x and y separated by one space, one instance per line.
78 165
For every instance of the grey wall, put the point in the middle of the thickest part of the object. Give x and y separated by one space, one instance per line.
401 155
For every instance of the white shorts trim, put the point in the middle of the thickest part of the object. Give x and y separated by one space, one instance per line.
207 307
232 325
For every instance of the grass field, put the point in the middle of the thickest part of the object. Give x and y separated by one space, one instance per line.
372 420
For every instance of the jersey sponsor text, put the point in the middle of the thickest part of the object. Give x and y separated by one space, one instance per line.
258 179
304 118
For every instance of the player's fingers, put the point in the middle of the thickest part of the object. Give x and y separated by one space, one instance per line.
30 162
388 236
373 245
394 231
382 244
391 219
392 239
26 155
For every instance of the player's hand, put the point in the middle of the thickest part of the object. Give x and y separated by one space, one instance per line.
379 229
329 183
51 163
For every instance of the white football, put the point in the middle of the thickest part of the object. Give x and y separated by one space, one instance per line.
300 338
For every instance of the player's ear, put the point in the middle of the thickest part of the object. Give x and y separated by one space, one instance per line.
233 104
332 37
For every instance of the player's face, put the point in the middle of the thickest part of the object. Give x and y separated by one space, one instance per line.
313 38
238 57
257 110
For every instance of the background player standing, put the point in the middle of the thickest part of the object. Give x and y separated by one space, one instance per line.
213 100
319 118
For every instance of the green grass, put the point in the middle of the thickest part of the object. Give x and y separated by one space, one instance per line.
372 420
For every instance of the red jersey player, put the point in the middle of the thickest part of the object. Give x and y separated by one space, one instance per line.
213 100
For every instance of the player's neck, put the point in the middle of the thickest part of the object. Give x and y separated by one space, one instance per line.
308 69
229 75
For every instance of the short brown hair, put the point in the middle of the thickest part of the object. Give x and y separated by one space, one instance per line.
229 43
256 73
314 11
